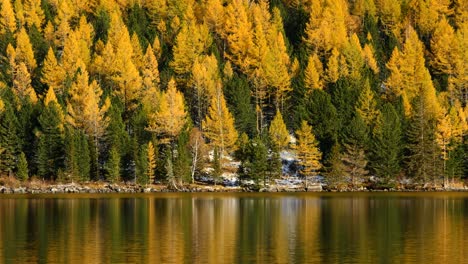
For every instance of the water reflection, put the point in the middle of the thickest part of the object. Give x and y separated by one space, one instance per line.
235 228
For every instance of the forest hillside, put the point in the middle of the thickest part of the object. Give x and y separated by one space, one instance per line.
171 90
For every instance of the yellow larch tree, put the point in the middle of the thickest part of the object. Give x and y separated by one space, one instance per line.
19 12
425 12
11 57
84 107
169 119
205 81
313 73
24 50
59 33
238 33
279 70
451 126
366 106
362 7
458 81
53 75
214 15
85 110
353 54
191 42
442 47
443 136
150 81
278 132
117 64
327 29
85 35
307 151
369 57
150 170
150 71
389 12
71 55
157 48
219 126
137 56
22 83
33 14
7 17
409 76
460 9
333 66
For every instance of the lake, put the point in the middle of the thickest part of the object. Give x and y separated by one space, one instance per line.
235 228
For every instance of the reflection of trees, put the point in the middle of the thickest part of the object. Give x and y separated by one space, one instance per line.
232 228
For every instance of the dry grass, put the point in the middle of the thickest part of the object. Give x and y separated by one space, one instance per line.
9 182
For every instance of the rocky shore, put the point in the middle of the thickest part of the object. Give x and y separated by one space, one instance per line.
40 187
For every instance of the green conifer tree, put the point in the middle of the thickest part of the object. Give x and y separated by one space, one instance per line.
22 171
9 140
113 165
386 150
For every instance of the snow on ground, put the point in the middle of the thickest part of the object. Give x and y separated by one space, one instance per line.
289 162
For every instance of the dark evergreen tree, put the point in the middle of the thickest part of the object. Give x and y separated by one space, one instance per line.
344 94
83 155
422 150
238 97
94 160
142 165
77 155
385 154
217 170
117 139
455 169
275 166
334 167
323 118
72 171
355 138
50 152
27 123
257 164
22 172
9 140
113 165
182 162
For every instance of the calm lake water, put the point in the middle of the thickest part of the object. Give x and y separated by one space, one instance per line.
235 228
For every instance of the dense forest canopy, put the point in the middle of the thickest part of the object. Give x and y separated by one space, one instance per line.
164 89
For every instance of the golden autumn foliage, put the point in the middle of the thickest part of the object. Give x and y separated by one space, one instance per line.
84 107
33 14
232 67
366 106
409 76
278 132
313 73
24 50
7 17
219 125
150 171
53 74
170 118
307 150
150 71
327 28
22 83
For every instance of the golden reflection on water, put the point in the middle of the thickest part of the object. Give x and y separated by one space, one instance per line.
235 228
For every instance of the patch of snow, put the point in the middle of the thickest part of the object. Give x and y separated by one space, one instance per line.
288 155
292 139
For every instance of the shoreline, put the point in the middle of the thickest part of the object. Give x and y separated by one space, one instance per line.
38 187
